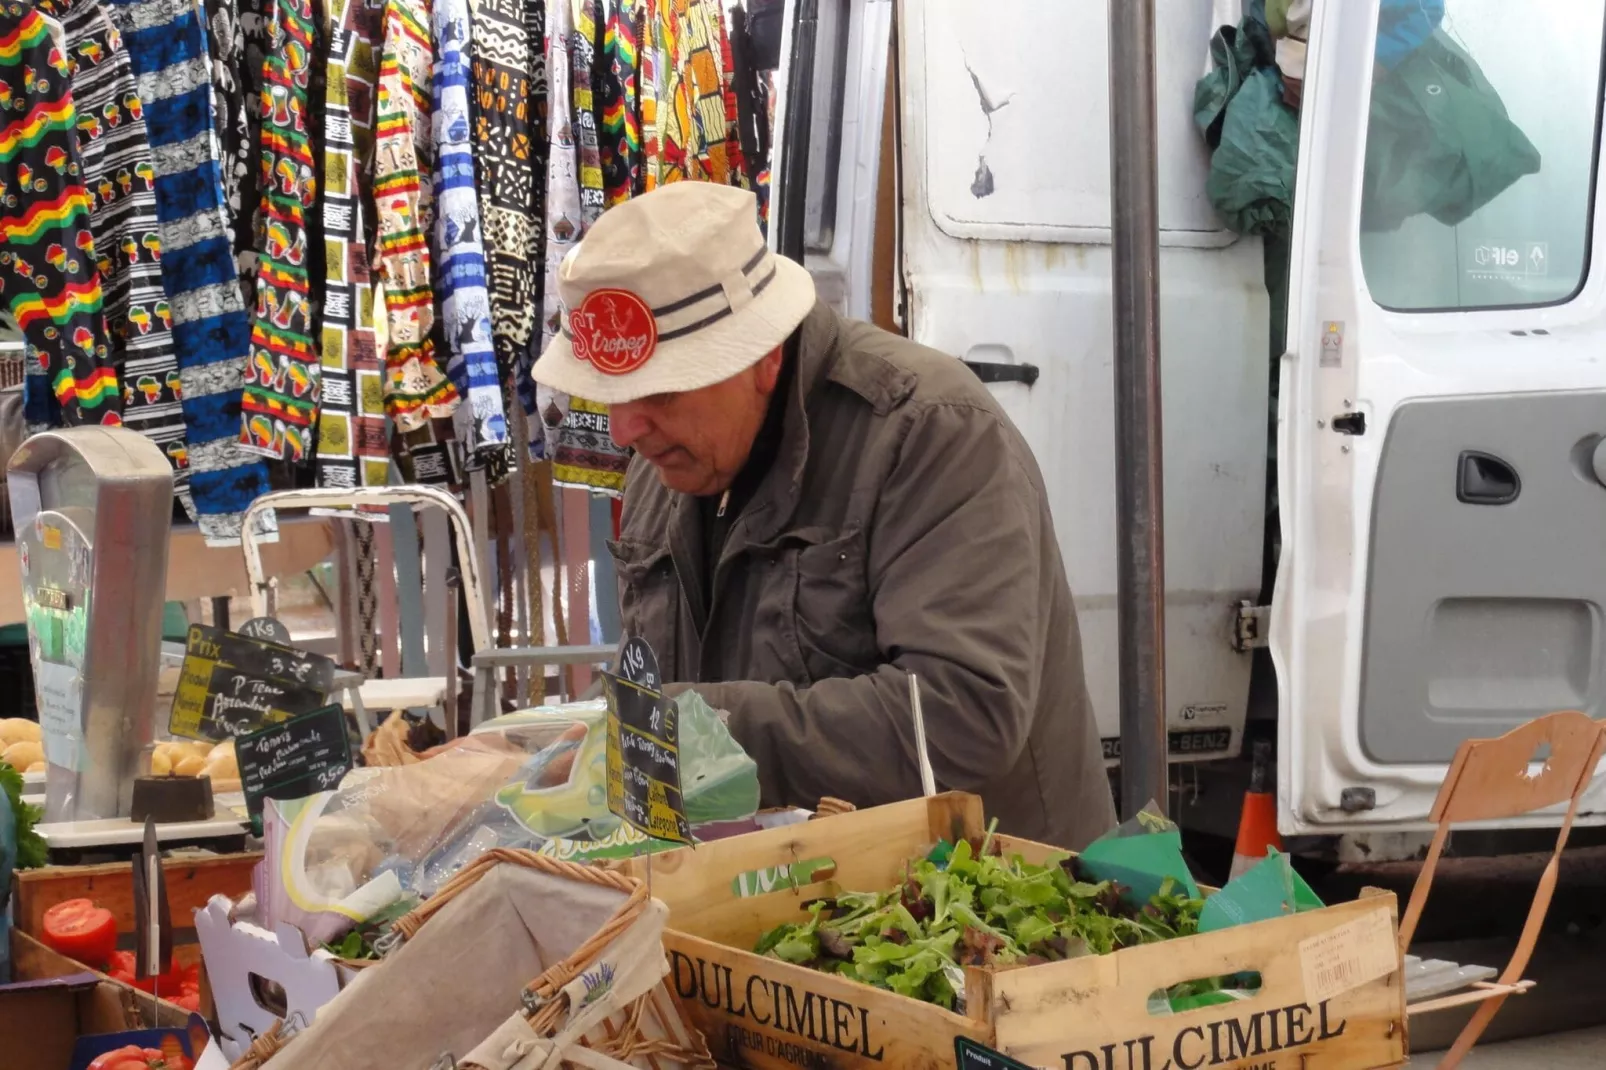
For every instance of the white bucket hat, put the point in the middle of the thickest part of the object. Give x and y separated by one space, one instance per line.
671 291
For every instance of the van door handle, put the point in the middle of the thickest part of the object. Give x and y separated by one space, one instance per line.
1484 479
994 372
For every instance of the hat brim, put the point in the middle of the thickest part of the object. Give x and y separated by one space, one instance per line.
691 362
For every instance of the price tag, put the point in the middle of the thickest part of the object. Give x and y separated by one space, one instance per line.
231 684
644 748
300 757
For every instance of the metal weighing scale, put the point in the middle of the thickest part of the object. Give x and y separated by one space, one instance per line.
93 508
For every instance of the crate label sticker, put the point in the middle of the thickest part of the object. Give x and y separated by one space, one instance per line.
780 878
1348 956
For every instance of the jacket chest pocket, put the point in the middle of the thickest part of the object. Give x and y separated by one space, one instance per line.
827 589
649 598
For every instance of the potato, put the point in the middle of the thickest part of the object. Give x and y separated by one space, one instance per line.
223 767
189 765
226 747
161 762
21 755
190 748
36 767
18 730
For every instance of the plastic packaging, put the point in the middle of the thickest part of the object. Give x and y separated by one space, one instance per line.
534 780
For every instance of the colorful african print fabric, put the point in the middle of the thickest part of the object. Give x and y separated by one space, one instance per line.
353 449
621 124
166 44
282 378
481 425
649 43
505 157
693 138
415 388
583 453
583 46
48 276
115 147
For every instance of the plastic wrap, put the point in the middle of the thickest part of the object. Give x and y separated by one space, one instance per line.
534 780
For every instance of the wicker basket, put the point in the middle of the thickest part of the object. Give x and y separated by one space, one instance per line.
438 1000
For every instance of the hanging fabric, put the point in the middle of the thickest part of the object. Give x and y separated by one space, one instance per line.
584 45
166 44
649 43
563 222
53 294
583 454
415 388
505 158
226 34
282 377
118 173
617 104
352 451
481 424
695 139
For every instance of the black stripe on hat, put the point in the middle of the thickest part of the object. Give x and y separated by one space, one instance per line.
701 295
710 320
718 288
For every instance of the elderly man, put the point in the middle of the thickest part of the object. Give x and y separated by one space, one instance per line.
818 509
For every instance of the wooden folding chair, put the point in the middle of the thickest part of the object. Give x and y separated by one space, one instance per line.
1490 779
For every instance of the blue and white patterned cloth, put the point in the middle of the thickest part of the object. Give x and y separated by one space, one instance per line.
166 42
459 249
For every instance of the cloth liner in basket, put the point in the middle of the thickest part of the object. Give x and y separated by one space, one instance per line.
457 993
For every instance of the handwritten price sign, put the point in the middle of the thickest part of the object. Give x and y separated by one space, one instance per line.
644 748
231 684
300 757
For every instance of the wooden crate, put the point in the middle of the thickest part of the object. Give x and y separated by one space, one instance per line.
1332 994
31 960
191 882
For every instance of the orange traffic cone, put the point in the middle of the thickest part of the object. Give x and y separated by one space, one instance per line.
1257 827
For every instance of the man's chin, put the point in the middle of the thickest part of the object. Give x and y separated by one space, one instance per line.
686 480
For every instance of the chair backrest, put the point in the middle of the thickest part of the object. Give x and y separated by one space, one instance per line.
1491 779
402 616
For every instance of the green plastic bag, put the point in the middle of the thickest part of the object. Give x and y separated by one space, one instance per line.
1440 141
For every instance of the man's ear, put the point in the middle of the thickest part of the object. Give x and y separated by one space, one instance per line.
768 371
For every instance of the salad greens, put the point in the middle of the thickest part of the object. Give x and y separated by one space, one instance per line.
967 905
32 851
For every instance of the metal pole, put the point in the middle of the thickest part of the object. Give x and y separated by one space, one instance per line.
1139 509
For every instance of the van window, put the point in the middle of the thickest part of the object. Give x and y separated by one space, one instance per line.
1480 152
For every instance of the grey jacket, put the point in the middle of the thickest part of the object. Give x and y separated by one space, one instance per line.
903 528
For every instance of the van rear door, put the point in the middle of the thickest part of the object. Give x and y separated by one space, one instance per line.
1443 401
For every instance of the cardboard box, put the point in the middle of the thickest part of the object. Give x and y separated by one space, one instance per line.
1322 1004
43 1018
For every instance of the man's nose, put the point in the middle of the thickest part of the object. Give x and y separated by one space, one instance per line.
627 422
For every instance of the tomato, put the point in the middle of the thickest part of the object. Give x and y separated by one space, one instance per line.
132 1057
190 1001
81 930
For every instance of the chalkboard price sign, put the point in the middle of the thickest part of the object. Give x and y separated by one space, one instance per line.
296 758
644 748
231 684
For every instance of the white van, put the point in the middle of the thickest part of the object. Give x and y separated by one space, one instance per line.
1442 404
